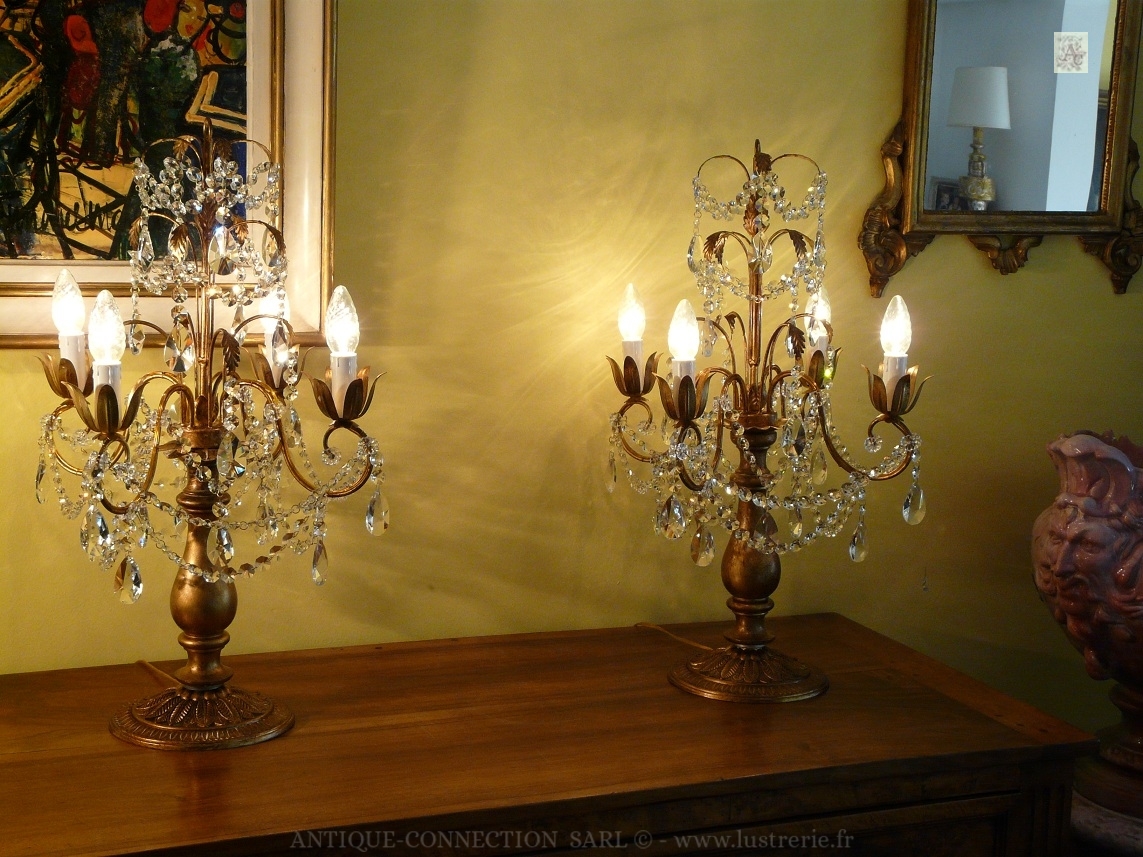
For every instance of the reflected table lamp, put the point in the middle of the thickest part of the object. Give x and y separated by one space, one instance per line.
979 100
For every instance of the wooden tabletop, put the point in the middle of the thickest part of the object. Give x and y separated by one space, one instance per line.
451 729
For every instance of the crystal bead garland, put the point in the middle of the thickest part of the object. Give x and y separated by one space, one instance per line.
699 466
207 236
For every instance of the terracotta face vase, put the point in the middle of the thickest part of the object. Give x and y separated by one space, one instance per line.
1087 551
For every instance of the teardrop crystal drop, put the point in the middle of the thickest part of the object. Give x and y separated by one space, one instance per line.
377 514
661 518
236 328
667 429
320 564
796 523
130 581
145 252
225 545
766 528
135 339
676 523
819 470
858 549
85 529
702 547
178 352
913 510
226 460
612 476
280 344
39 480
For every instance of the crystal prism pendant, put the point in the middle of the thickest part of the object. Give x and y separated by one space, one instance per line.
796 523
819 469
280 344
767 527
858 550
674 520
226 460
612 476
225 545
39 480
377 514
179 349
320 564
702 547
236 328
145 252
129 583
913 510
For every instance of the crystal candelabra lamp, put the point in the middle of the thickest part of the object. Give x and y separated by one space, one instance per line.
202 467
747 442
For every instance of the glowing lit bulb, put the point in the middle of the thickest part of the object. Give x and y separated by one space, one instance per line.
342 328
683 335
275 306
683 340
632 316
896 329
68 311
107 340
896 337
69 314
342 335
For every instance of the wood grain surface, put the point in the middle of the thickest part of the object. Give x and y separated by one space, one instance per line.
557 729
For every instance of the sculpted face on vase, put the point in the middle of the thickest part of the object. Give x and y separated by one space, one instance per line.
1087 550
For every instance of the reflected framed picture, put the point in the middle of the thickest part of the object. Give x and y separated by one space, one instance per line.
945 195
86 86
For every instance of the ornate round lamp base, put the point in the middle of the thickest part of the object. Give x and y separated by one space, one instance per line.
738 674
184 719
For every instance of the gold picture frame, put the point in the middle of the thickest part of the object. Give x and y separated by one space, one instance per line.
292 80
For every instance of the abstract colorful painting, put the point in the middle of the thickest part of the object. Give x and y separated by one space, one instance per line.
85 87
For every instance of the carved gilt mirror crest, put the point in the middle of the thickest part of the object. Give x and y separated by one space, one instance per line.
1016 124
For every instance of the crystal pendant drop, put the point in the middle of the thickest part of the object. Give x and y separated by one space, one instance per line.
320 564
85 528
767 527
796 523
280 344
135 339
667 429
612 476
377 514
179 349
145 253
225 545
39 480
858 549
819 470
913 511
236 328
227 458
676 524
702 547
129 582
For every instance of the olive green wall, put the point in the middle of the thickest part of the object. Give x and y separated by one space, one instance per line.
503 170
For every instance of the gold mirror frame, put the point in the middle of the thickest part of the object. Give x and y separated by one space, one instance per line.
897 226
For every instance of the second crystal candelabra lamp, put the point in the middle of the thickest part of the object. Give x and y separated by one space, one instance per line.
198 471
765 403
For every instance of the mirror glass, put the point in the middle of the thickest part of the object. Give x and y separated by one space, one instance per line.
1030 81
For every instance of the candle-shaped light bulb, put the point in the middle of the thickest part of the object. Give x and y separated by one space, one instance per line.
342 327
896 337
632 323
683 340
632 316
342 335
68 311
69 314
896 329
107 340
275 305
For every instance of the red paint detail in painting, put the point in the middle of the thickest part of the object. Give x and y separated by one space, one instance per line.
158 14
79 35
